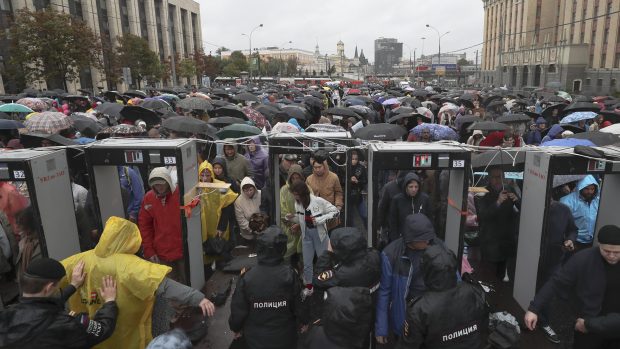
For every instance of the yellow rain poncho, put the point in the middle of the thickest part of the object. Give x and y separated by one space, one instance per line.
136 280
212 201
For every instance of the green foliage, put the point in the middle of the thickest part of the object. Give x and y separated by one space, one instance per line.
134 52
235 64
187 68
52 46
462 62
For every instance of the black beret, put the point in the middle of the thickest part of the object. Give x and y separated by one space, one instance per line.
609 235
46 268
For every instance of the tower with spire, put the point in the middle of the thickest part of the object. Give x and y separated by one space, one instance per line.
317 53
356 56
363 60
340 48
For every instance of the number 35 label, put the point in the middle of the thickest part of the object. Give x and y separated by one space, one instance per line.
458 163
170 160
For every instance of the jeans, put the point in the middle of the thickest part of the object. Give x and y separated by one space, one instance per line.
310 245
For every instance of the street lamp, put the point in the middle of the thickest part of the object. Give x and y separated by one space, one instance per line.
410 62
422 53
439 36
281 48
250 52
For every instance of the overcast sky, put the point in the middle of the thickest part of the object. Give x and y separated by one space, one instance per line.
355 22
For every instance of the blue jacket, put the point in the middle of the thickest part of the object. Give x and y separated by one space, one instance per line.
131 181
583 212
397 272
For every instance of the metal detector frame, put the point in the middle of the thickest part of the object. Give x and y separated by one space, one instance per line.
396 156
540 167
103 157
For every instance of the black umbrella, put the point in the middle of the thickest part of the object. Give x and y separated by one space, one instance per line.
313 102
496 103
492 98
597 137
316 94
133 113
238 131
231 110
580 106
187 124
135 93
4 115
381 132
298 113
487 126
405 110
419 93
467 119
610 116
33 140
342 112
220 103
223 121
532 115
246 96
10 124
572 128
547 112
113 95
466 102
87 126
508 160
75 97
110 108
195 103
397 117
158 105
513 118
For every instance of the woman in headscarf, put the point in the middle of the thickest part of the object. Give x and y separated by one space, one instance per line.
216 208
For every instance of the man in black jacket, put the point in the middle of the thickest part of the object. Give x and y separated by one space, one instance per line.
592 277
410 200
447 315
266 305
39 320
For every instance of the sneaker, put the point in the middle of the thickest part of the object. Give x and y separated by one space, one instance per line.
550 334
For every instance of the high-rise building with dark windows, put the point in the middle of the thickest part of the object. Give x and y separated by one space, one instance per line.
387 54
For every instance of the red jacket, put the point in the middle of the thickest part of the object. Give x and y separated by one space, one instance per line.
160 226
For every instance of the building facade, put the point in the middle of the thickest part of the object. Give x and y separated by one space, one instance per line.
388 53
572 45
171 27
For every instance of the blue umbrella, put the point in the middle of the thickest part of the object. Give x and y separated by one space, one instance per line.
10 124
578 116
438 132
568 142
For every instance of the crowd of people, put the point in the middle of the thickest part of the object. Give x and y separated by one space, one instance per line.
316 282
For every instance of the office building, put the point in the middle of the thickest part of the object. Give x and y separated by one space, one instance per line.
388 53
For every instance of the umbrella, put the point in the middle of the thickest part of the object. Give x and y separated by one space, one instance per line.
547 112
463 119
581 106
186 124
87 126
112 95
507 159
438 132
268 111
487 126
110 108
298 113
316 94
342 112
578 116
325 128
615 128
220 103
256 117
238 131
15 108
133 113
381 132
135 93
35 104
158 105
429 104
195 103
420 93
313 102
568 142
168 97
10 124
48 122
246 96
284 127
122 130
75 97
559 180
231 110
223 121
355 101
566 127
33 140
403 116
391 101
496 103
597 137
513 118
565 95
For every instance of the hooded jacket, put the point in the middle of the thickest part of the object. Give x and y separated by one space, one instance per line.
472 141
403 205
245 207
346 321
553 133
447 315
267 312
583 212
160 221
398 271
327 187
237 165
388 192
225 177
259 162
321 210
43 323
350 264
137 281
287 206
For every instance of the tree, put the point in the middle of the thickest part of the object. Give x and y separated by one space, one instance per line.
332 69
313 72
134 52
220 50
235 64
52 46
462 62
291 66
187 68
321 73
212 67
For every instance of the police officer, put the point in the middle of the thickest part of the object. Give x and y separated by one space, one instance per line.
39 320
447 315
348 262
266 304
